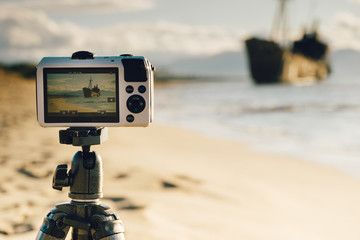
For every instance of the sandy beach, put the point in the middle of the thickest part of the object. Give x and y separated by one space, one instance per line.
170 183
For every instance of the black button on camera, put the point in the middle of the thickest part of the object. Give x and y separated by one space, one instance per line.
142 89
136 104
129 89
130 118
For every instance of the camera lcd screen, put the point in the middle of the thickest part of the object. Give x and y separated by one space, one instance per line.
81 95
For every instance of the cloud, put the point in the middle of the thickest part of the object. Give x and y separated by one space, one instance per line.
173 37
28 34
343 31
354 1
94 6
31 34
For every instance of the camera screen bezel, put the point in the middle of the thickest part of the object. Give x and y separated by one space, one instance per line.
84 118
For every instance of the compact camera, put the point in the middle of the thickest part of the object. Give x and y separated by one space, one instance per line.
88 91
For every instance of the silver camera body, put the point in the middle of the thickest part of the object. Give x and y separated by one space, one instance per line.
87 91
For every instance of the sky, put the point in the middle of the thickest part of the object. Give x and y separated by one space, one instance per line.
162 29
60 82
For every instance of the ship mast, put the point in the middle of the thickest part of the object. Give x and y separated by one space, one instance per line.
90 85
280 28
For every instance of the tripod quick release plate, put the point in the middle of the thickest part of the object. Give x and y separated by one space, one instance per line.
83 136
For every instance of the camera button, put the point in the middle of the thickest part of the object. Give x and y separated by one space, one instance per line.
142 89
136 104
130 118
129 89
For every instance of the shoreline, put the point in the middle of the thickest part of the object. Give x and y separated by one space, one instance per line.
321 159
258 116
57 104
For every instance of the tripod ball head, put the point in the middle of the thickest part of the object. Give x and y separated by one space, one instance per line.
84 177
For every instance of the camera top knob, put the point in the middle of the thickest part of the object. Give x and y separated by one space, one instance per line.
82 55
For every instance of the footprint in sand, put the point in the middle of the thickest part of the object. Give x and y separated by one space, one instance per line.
121 175
166 184
188 179
22 228
4 159
17 228
36 169
2 190
35 172
123 203
47 155
180 182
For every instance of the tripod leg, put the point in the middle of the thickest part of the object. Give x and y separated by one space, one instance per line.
107 226
53 227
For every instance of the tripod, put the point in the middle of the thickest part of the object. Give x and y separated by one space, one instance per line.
85 214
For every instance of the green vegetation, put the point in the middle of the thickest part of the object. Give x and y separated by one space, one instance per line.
24 69
165 77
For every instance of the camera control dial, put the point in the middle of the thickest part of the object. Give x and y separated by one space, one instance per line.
136 104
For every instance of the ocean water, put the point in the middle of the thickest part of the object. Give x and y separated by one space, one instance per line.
319 123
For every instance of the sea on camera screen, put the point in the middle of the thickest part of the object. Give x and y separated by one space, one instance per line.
81 95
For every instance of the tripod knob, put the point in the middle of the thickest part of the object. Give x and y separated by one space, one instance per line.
61 178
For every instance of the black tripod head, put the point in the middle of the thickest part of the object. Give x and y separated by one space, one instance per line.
83 136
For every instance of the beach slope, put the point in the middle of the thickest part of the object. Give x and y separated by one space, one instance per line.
169 183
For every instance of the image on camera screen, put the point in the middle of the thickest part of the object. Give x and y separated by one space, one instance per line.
81 95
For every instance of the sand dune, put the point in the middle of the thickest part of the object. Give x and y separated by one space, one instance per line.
168 183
